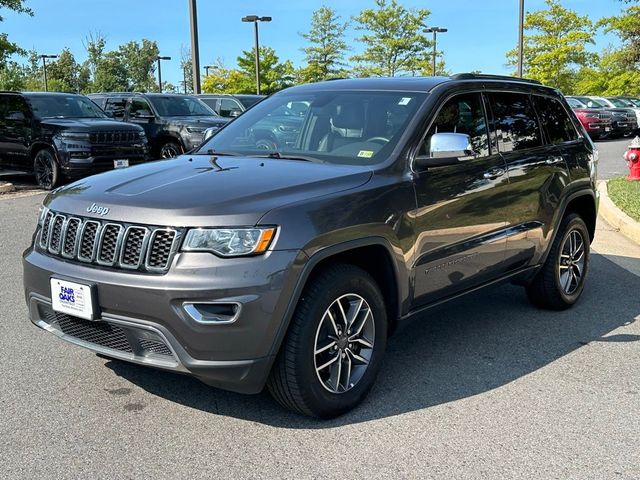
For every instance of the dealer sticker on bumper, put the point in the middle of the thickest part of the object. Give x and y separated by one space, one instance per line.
72 298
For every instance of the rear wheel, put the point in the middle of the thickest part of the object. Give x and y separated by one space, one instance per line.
335 344
46 169
560 282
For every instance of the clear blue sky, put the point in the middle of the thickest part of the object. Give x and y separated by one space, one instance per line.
480 31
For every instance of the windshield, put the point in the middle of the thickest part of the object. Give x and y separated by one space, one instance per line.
178 106
619 103
591 103
575 103
64 106
358 128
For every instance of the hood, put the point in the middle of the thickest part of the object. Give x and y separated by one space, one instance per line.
203 122
592 110
89 124
203 190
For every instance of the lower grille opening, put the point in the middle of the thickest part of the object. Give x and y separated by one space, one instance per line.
155 347
101 333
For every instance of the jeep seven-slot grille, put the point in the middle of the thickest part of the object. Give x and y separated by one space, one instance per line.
119 136
110 244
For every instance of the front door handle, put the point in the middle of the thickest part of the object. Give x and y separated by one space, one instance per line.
554 160
494 173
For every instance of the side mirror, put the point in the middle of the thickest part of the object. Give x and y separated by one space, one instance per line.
235 113
143 114
16 117
446 149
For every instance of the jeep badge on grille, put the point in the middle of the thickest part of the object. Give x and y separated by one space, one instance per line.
102 211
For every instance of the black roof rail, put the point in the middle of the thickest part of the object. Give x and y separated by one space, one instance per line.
485 76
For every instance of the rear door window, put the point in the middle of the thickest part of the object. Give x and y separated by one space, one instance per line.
555 120
514 122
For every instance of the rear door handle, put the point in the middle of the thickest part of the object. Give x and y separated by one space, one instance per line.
494 173
554 160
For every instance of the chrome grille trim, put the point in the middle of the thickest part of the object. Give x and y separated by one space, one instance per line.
174 242
93 244
139 254
102 245
46 230
56 233
109 244
67 239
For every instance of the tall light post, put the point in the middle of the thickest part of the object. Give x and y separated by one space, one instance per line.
435 31
158 59
255 19
206 69
44 69
521 39
195 49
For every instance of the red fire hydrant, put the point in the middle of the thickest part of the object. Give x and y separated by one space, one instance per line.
632 156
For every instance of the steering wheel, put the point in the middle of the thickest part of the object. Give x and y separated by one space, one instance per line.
382 140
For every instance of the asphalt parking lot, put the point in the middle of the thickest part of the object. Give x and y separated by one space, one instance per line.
486 387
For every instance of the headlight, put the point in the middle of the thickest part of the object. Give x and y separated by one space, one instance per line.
74 136
229 242
208 133
195 129
42 214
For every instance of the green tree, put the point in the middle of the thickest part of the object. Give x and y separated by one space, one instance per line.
66 75
555 46
8 48
110 74
12 77
325 54
139 59
394 41
274 75
627 27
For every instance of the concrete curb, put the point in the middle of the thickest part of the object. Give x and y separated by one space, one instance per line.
616 217
6 187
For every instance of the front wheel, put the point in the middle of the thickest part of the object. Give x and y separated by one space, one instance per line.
335 344
46 169
170 150
560 282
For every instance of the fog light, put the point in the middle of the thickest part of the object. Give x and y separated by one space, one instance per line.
213 313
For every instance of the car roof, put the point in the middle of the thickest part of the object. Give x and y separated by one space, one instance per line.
43 94
409 84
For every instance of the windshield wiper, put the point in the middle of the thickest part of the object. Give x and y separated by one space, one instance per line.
280 156
211 151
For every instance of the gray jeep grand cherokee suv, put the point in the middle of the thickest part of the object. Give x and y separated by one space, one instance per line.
289 268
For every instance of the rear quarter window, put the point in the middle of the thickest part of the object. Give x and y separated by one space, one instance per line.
555 120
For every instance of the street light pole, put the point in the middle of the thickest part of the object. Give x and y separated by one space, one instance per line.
158 59
435 31
255 19
195 49
44 69
206 70
521 39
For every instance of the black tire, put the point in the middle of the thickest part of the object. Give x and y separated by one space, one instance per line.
293 381
46 169
170 149
547 290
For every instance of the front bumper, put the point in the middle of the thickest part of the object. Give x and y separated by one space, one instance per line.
82 159
142 318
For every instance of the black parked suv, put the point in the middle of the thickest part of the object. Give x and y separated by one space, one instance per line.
56 135
290 268
174 123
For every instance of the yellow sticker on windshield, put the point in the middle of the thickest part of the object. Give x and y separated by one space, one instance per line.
365 153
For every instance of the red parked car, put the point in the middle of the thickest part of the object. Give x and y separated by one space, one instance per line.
596 122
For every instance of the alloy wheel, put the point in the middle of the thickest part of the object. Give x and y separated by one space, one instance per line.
170 150
43 169
344 343
571 262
